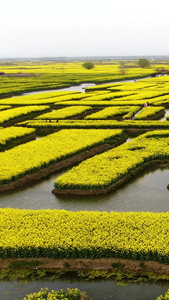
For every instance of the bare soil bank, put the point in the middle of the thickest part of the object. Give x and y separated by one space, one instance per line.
155 163
102 264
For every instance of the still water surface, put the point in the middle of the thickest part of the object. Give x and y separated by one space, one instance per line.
97 289
147 192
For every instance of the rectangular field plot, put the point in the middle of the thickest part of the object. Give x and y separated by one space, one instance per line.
110 112
4 107
150 112
15 113
62 234
64 113
105 103
54 148
97 124
41 98
123 86
109 96
12 136
49 98
104 170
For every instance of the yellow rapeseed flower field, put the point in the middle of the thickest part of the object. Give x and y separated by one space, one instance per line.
53 148
84 234
103 170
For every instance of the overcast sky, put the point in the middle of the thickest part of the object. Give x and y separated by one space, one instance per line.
38 28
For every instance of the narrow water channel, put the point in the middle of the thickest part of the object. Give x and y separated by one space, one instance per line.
146 192
81 87
97 289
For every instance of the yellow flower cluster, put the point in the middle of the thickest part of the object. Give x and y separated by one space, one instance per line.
112 112
96 124
3 107
50 98
84 234
133 110
64 113
103 170
132 86
123 86
50 149
146 94
165 297
69 294
149 111
41 98
108 96
102 103
13 113
73 97
11 133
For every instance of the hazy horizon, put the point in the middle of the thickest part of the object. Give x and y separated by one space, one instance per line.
94 28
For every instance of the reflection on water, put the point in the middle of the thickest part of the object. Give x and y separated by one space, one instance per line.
147 192
97 289
166 114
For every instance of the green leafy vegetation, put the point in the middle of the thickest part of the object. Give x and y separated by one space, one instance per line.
88 65
144 63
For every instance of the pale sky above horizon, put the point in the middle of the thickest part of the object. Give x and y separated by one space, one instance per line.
38 28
